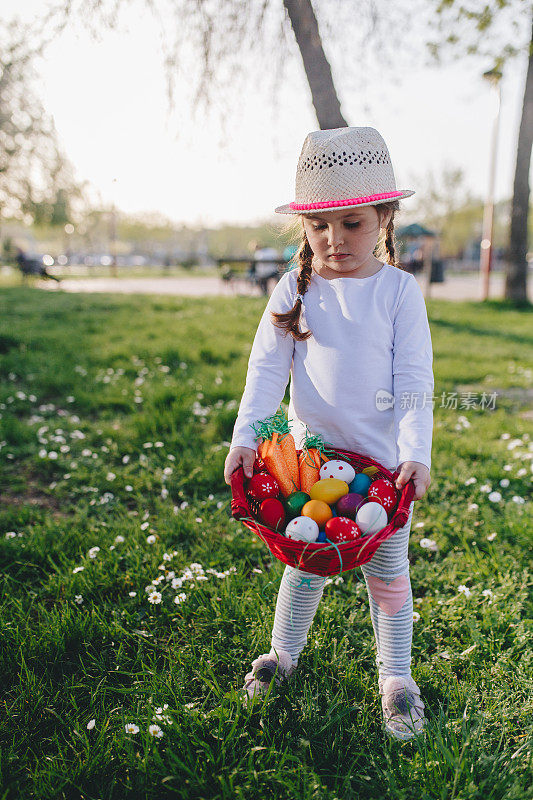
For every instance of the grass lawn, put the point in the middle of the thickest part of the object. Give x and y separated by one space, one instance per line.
116 414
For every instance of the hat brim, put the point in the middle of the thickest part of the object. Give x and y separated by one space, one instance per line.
286 209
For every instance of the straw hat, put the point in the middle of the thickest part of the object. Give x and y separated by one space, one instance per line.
343 168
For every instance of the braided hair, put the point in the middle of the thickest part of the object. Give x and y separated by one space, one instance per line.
290 320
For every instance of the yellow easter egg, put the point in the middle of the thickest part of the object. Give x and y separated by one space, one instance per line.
369 471
329 490
317 510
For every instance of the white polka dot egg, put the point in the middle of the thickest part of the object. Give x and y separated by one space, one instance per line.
302 529
337 469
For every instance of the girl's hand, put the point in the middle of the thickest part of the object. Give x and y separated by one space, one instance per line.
420 475
236 457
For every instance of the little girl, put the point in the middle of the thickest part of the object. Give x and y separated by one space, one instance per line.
353 333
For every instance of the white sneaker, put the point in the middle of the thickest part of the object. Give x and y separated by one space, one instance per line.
265 669
403 708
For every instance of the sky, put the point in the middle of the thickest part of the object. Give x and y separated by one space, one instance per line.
109 102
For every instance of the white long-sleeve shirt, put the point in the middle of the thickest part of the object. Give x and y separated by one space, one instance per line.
363 380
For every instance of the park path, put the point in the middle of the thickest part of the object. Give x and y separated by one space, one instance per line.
455 287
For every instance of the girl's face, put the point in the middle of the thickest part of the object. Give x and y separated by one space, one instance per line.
343 241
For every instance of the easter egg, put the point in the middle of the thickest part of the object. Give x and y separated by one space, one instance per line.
272 513
342 529
369 471
371 518
328 490
360 484
382 491
262 485
302 529
349 505
295 502
321 536
317 510
337 469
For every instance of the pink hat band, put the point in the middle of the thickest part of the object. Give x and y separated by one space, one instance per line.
372 198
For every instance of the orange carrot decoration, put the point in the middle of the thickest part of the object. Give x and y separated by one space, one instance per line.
272 453
311 458
281 426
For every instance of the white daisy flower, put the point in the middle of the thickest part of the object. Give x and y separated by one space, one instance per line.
485 488
130 727
150 588
495 497
110 476
155 598
145 525
119 539
491 536
517 499
93 552
177 583
78 569
428 544
473 507
129 488
10 535
91 724
195 567
167 557
132 594
151 539
504 483
180 598
416 616
257 571
487 592
155 730
78 599
464 589
470 481
507 467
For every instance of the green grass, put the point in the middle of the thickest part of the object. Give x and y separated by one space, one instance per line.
84 462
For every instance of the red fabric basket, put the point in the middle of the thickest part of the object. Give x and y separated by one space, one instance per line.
321 558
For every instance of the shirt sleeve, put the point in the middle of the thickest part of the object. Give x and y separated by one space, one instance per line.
269 368
413 380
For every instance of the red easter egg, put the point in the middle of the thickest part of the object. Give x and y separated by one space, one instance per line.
383 492
272 513
342 529
262 485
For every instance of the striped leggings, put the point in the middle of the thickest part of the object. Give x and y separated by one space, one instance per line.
390 598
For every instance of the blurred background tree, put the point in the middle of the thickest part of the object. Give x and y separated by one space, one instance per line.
36 180
477 31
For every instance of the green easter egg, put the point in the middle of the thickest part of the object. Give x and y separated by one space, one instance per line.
295 502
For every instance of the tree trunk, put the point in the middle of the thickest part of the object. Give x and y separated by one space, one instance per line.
317 69
516 278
